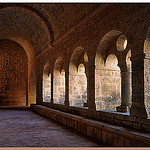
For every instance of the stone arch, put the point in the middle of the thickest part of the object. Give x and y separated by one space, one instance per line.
13 92
128 60
106 42
26 31
74 59
146 48
109 85
46 83
112 62
147 72
59 81
104 72
129 70
78 77
113 82
86 57
27 46
37 13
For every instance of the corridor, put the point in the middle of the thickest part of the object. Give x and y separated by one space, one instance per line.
23 128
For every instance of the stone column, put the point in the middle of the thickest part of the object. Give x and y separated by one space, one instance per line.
39 85
125 90
138 107
27 99
67 87
91 87
86 103
52 77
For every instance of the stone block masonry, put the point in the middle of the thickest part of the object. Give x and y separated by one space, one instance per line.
99 131
13 74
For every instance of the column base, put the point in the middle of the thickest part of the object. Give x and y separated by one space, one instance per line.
66 103
124 109
91 113
138 111
85 104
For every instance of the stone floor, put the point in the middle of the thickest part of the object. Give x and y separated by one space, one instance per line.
23 128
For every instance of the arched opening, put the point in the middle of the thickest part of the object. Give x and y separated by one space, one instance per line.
77 78
14 74
129 70
85 58
147 73
121 43
107 72
108 83
59 82
46 84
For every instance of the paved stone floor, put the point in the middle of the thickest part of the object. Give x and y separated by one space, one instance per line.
23 128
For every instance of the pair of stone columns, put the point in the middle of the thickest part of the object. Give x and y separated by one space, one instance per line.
90 87
137 108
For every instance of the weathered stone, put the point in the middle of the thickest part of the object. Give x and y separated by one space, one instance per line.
137 126
130 118
127 123
129 142
119 140
104 136
119 116
144 121
90 131
146 127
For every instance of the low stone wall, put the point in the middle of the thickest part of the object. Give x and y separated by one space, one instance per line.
101 132
113 117
80 110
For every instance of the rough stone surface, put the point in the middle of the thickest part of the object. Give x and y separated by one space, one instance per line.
13 74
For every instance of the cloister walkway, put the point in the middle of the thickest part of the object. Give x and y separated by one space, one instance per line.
21 127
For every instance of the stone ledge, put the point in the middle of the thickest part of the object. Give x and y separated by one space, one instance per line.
99 131
113 117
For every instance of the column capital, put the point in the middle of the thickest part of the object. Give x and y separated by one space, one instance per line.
123 67
66 73
147 55
92 66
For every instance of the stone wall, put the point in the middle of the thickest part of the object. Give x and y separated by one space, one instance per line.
116 118
13 76
98 131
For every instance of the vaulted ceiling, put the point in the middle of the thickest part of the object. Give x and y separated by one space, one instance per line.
36 26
